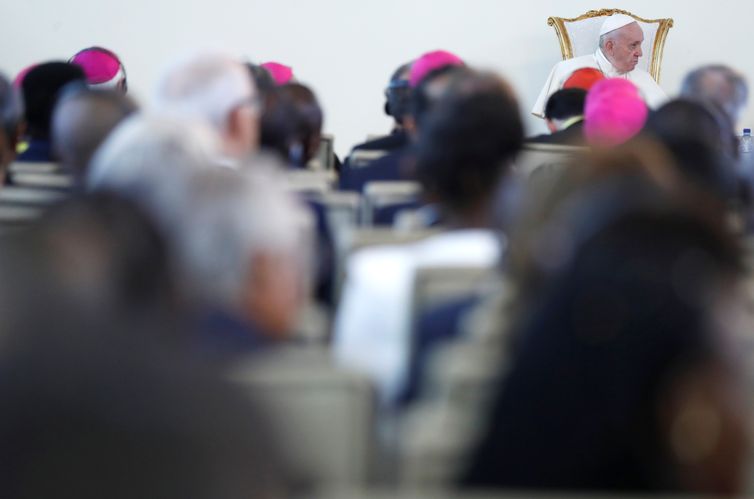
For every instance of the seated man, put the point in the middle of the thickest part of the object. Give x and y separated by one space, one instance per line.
467 145
41 88
617 56
428 79
11 114
216 90
564 115
81 121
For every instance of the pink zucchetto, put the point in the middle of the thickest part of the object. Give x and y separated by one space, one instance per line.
103 69
430 62
614 112
281 73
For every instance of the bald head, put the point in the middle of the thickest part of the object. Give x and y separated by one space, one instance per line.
82 120
718 85
622 46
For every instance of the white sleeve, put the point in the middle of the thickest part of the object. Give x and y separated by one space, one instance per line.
551 86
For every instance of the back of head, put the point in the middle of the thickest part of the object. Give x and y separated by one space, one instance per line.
205 87
398 93
262 79
41 88
614 112
82 119
719 85
11 116
583 78
306 122
699 139
626 317
238 222
148 159
469 140
103 68
565 104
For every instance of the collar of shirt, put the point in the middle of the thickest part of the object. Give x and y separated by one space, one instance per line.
607 67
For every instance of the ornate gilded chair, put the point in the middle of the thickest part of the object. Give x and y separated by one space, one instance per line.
580 35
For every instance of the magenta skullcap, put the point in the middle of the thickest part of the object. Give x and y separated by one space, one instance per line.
430 62
19 79
614 112
281 73
100 66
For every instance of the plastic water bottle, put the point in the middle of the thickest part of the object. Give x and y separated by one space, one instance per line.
745 146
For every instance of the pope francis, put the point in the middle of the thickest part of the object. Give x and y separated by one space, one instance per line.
616 56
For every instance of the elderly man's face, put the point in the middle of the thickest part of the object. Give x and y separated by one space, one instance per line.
623 49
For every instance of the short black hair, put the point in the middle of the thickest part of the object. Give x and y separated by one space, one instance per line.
469 140
422 101
566 103
41 88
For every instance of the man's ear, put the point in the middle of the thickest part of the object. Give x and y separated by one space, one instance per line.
409 124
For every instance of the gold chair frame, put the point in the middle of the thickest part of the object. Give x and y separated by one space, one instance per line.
566 47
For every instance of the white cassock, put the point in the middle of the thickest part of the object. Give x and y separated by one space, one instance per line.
654 96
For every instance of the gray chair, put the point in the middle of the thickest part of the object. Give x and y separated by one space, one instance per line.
382 194
322 414
361 158
310 181
539 159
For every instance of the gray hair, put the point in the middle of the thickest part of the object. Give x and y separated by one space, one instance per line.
233 216
719 85
204 87
82 120
149 160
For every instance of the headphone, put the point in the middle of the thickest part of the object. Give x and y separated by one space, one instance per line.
121 68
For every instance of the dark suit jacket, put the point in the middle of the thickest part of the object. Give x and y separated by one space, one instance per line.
395 140
393 166
571 136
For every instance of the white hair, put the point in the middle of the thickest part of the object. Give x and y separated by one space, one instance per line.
234 215
149 159
204 87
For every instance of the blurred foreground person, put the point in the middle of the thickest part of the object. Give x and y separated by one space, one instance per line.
41 89
96 407
11 116
216 90
81 121
621 372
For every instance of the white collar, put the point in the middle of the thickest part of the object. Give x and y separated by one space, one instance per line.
607 67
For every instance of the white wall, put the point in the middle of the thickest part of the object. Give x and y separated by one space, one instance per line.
346 49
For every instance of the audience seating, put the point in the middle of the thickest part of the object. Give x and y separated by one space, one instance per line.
34 167
363 157
325 158
382 195
52 180
537 159
311 181
322 414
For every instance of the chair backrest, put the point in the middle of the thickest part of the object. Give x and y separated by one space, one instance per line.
363 157
341 209
325 158
29 197
51 180
380 194
34 167
536 159
580 36
435 285
310 181
322 414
